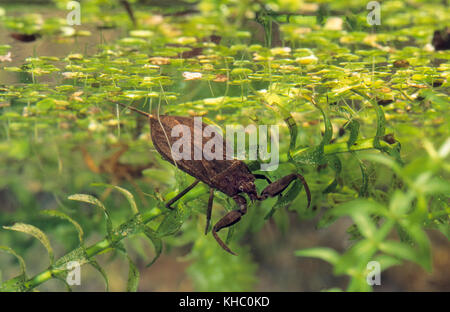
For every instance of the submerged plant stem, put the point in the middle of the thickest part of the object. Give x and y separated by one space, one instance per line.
96 249
336 148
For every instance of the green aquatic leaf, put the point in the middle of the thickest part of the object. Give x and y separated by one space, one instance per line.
401 250
286 200
62 215
365 180
94 201
173 221
35 232
334 163
383 83
156 241
133 277
354 126
23 274
97 266
326 254
125 192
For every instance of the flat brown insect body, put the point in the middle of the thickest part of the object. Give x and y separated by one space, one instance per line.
211 171
230 176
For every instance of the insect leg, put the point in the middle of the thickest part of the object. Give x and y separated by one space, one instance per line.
181 194
280 185
229 219
209 209
262 177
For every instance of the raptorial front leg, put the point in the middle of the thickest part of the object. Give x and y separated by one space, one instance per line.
262 177
181 194
229 219
280 185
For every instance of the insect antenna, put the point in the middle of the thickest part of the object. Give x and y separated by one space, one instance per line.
151 116
159 120
136 110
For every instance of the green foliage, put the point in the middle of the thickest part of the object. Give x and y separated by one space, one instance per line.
37 233
361 129
83 254
213 271
407 210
